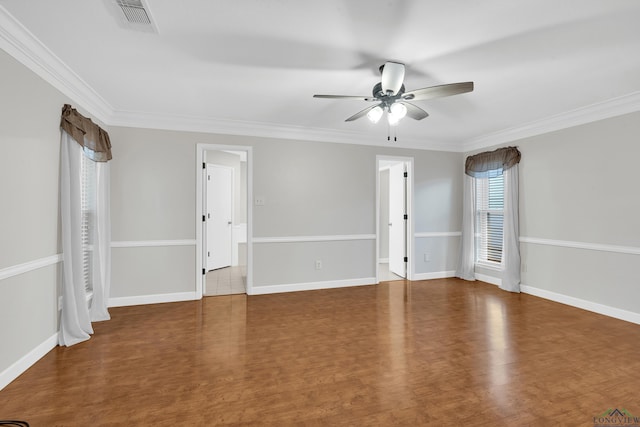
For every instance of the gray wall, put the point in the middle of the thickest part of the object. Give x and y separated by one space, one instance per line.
309 188
437 208
580 185
383 226
153 198
29 222
313 189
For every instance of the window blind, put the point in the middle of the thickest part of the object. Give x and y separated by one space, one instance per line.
489 218
88 209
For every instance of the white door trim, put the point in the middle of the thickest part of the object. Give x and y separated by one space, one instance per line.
200 159
410 225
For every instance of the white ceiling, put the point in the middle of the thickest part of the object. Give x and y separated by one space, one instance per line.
252 66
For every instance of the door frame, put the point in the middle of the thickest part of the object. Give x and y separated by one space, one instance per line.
409 238
200 199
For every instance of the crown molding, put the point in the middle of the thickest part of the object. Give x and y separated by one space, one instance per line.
267 130
26 48
602 110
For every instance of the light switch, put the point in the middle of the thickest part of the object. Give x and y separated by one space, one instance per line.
259 201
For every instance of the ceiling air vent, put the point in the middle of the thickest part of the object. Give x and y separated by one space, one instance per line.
134 11
133 15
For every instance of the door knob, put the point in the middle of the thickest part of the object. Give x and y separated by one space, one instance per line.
228 222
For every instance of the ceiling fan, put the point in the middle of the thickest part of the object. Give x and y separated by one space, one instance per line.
390 96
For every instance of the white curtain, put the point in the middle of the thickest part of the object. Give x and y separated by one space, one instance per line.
75 322
466 260
101 272
511 233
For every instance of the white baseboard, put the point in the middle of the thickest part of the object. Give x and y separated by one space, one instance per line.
489 279
434 275
606 310
311 286
152 299
27 361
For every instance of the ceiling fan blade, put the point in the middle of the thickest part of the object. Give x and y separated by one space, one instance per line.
359 114
359 98
438 91
415 112
392 77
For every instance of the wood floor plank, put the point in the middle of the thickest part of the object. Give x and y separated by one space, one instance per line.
438 352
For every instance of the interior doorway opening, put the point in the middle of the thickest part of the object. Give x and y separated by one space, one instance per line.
394 245
224 218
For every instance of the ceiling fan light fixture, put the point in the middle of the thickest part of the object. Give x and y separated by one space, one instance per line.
392 98
396 112
374 114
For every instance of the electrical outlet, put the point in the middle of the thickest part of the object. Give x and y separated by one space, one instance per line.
318 264
427 257
260 201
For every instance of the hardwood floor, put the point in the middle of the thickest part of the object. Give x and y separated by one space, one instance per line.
439 352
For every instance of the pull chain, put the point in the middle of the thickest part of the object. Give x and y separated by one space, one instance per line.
395 132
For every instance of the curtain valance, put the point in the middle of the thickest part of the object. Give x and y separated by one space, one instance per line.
89 135
479 165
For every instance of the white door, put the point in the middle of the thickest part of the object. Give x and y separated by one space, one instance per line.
397 223
219 216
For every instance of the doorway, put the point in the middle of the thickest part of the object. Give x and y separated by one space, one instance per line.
224 219
394 189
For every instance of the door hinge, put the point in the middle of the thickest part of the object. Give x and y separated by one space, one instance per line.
406 259
406 216
406 174
203 218
204 165
204 272
208 253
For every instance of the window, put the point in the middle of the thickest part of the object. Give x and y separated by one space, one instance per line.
85 150
88 212
489 218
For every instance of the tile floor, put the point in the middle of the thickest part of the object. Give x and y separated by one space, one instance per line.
226 281
384 275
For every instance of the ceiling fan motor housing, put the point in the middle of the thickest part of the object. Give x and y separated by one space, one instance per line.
385 98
